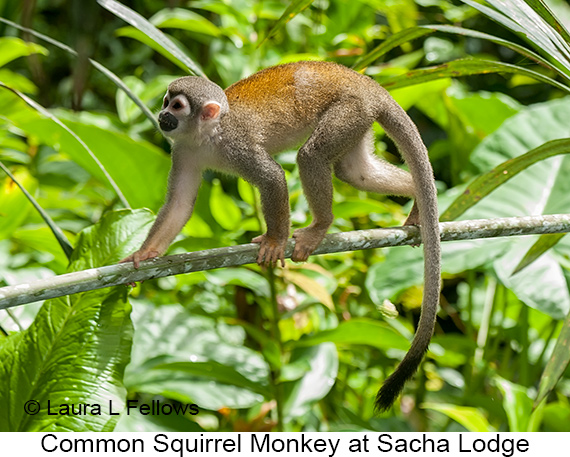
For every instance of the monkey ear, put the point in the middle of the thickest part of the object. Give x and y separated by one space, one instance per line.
210 111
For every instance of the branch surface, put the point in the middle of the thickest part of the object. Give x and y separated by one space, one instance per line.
113 275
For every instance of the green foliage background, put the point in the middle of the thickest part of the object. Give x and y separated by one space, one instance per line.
305 347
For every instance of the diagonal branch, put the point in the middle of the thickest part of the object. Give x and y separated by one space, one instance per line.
98 278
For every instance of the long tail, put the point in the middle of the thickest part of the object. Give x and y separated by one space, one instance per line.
404 133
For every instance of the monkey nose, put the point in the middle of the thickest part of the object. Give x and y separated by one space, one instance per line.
167 121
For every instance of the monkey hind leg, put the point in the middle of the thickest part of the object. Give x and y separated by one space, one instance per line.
365 171
336 132
362 169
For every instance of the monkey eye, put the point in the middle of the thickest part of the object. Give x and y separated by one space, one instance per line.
165 103
177 105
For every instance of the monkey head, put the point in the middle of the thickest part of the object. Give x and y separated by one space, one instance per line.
190 104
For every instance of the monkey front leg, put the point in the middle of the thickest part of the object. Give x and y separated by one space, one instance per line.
183 185
266 174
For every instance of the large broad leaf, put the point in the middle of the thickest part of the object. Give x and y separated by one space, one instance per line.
76 350
114 237
191 359
488 182
76 139
516 403
543 188
316 382
403 266
138 168
74 353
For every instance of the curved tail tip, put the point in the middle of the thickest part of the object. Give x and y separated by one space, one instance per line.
386 397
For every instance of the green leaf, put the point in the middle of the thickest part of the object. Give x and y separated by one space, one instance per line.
541 29
136 34
224 209
543 244
390 43
310 286
557 363
403 266
486 183
269 346
17 81
112 76
217 372
545 13
170 334
357 331
357 207
543 284
42 240
315 384
465 67
145 27
241 277
12 48
59 235
114 237
179 18
74 352
556 417
508 44
138 168
40 109
294 8
14 205
148 92
471 418
516 403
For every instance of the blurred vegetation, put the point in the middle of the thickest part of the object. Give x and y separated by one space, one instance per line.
305 347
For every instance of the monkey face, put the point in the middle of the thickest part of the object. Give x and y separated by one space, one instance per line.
175 110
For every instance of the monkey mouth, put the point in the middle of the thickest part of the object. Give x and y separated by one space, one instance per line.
167 122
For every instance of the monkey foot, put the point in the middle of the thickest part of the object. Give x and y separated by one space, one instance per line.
271 251
413 219
414 216
306 241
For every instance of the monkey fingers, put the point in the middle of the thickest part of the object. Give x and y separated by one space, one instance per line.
139 256
271 251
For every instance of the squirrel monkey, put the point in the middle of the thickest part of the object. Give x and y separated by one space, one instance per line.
329 107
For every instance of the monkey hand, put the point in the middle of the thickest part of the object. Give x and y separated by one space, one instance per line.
271 250
139 256
306 241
